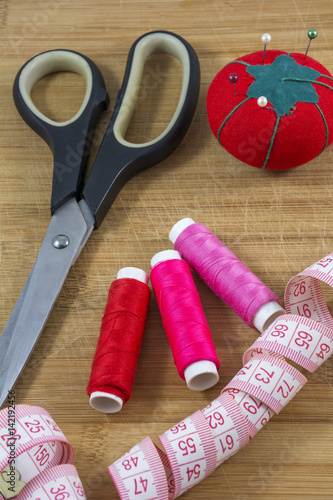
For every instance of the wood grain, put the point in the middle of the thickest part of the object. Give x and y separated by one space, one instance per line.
277 223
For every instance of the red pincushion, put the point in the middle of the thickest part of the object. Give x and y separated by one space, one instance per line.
247 134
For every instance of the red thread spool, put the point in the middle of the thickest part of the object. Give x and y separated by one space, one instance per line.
226 275
184 321
118 348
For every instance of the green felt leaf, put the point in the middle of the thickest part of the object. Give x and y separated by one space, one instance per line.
283 94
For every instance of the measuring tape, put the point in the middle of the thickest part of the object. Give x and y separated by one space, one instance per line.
304 296
300 339
270 379
206 439
34 457
193 449
256 413
263 387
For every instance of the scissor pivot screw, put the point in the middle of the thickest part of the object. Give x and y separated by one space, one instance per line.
60 241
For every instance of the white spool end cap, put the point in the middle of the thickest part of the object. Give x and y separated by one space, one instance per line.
165 255
179 228
104 402
201 375
266 315
134 273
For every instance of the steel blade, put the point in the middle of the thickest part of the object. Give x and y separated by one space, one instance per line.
7 333
70 223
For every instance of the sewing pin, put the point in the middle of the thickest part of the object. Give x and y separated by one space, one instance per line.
311 34
233 78
262 101
266 38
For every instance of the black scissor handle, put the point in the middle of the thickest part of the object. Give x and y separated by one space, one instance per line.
69 141
118 160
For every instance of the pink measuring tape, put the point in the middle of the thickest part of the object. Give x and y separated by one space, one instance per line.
35 457
191 454
264 386
304 295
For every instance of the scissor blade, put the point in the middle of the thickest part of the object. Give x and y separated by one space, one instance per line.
41 290
7 333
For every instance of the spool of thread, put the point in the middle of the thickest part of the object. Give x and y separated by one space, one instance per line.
226 275
184 321
118 348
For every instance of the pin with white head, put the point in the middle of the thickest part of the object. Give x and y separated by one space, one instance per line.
262 101
311 34
265 38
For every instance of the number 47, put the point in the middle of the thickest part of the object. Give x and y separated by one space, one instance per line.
143 488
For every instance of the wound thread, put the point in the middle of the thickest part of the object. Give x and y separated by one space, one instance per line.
118 348
185 323
225 274
229 116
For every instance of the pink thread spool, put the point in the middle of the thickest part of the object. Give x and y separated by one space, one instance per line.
184 320
226 275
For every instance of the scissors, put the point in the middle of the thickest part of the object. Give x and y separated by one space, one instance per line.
77 209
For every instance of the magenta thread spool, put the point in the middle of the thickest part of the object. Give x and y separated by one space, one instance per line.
184 320
226 275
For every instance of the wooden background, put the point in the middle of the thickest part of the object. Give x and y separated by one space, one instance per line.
277 223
